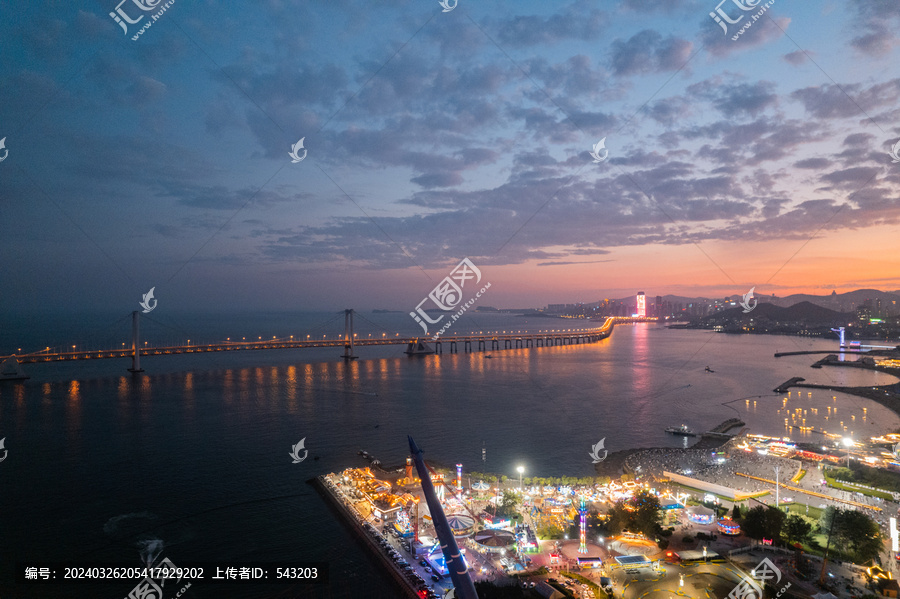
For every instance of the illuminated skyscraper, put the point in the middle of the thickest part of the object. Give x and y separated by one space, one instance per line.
641 304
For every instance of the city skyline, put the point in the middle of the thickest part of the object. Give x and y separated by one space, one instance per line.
174 161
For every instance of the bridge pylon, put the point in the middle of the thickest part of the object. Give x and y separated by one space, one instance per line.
348 336
135 343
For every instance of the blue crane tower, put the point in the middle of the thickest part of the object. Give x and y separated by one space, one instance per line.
459 573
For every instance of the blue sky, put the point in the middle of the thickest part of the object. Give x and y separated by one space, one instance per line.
434 136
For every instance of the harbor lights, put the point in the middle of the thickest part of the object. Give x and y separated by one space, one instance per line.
848 442
521 469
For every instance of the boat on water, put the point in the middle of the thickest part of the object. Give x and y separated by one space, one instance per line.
682 430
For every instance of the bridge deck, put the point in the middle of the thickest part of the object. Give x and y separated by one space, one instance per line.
490 342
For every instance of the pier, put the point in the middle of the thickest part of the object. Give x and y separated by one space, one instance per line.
792 382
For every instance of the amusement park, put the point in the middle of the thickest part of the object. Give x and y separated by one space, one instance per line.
663 525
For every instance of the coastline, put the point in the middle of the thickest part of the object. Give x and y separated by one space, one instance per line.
886 395
615 463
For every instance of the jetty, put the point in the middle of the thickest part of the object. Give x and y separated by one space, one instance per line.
783 387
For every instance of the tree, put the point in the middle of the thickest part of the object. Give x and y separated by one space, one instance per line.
862 534
854 530
549 532
736 512
647 514
639 514
617 518
503 479
509 503
796 529
763 522
774 523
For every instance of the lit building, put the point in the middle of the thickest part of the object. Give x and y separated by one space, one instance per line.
641 304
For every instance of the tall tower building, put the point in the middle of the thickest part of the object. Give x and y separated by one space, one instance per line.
641 304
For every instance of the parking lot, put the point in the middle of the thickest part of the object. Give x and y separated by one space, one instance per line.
418 572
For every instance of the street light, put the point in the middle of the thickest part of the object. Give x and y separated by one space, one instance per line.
521 469
777 484
847 443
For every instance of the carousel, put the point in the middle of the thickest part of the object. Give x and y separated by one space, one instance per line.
495 541
461 525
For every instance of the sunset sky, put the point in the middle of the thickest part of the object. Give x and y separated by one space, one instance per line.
433 136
